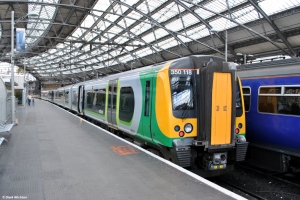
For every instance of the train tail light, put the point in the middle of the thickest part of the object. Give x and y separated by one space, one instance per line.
181 134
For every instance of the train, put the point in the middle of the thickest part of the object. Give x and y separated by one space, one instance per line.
272 99
189 110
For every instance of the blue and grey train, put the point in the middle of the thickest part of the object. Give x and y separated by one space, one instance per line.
272 103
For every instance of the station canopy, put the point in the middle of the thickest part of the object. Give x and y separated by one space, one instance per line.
69 41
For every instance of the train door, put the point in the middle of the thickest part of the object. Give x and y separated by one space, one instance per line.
146 119
74 98
112 99
221 114
80 99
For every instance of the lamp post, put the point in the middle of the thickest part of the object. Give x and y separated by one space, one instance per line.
12 82
24 85
13 117
216 31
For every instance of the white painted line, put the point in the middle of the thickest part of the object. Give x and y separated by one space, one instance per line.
195 176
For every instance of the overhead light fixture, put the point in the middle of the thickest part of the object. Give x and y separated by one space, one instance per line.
32 14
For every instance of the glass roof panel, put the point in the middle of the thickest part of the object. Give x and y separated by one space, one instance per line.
204 14
126 22
189 19
246 15
134 15
149 37
152 5
102 5
216 6
141 28
116 30
198 32
160 33
277 5
184 39
121 39
167 43
220 24
144 52
88 22
79 31
175 25
112 17
46 13
234 3
126 58
166 13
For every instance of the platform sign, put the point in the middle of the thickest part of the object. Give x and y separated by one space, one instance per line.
20 39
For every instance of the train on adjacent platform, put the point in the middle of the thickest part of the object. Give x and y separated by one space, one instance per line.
272 103
189 110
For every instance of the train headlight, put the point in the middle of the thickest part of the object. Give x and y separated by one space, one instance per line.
237 131
188 128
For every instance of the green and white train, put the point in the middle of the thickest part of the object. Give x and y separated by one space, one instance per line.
189 110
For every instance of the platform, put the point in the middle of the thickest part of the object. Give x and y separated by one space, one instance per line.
52 154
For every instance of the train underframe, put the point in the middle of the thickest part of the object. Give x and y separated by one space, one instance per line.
273 160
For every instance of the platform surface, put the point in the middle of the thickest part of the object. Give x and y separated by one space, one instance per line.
52 154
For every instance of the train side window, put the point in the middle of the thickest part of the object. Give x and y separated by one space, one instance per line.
279 100
61 94
270 90
147 99
247 98
95 100
126 107
99 101
293 90
292 98
89 100
74 98
267 99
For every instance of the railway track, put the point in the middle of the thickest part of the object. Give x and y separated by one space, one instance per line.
253 183
238 189
284 177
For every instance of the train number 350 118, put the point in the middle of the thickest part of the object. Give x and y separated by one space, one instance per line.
181 72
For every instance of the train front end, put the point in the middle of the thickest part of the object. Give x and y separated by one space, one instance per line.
203 95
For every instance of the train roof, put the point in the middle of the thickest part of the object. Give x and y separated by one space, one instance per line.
271 68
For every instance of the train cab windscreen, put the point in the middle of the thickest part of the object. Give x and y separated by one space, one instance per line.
182 92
